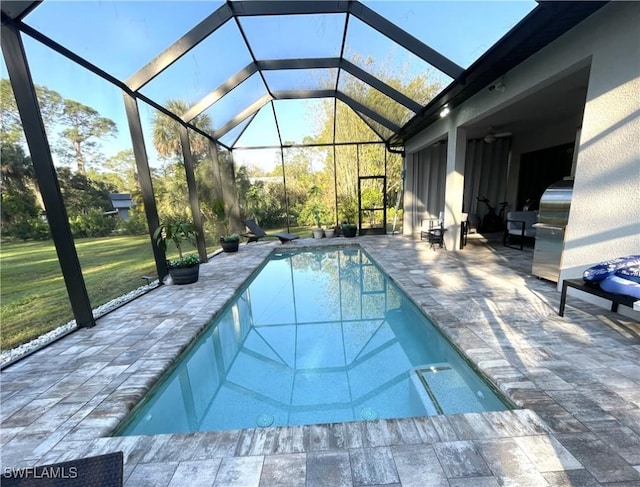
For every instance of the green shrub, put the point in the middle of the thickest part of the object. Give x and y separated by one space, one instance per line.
92 224
27 228
40 229
135 225
234 237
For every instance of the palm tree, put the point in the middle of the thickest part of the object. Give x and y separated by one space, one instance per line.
166 133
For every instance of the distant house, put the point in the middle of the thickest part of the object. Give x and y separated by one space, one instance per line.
122 203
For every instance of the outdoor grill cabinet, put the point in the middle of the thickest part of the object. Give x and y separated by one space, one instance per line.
552 221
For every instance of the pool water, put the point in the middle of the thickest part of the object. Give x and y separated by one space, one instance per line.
317 336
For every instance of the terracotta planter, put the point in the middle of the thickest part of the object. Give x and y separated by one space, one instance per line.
185 275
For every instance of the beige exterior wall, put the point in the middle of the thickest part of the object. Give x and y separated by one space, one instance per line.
604 221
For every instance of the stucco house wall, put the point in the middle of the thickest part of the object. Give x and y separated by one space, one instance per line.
604 220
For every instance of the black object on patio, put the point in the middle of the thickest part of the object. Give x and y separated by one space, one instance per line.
100 471
256 233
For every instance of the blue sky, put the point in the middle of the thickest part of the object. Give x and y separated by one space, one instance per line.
121 37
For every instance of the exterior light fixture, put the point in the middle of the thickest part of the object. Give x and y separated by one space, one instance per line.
489 138
445 111
498 86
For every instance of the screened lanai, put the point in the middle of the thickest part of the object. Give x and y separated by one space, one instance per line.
291 112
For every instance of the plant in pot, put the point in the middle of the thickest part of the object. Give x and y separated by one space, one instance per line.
349 213
349 229
330 231
318 232
230 243
186 268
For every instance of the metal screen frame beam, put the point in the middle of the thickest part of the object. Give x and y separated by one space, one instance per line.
359 107
144 178
226 177
45 172
299 63
309 63
356 106
18 9
248 8
368 124
381 86
250 117
303 94
341 63
50 43
179 48
284 172
406 40
543 25
319 144
193 193
208 100
246 113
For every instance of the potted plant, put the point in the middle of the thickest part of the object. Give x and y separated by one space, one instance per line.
318 232
230 243
349 229
186 268
329 232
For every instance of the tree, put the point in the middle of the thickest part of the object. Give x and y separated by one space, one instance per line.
172 194
120 172
19 209
84 130
76 130
82 194
16 167
213 170
166 133
351 127
50 103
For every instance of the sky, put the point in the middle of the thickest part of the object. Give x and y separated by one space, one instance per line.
122 37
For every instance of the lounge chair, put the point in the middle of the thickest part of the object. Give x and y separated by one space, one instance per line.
256 233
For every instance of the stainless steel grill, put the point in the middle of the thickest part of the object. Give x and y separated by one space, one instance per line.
552 221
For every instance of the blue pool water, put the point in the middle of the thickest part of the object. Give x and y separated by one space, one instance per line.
317 336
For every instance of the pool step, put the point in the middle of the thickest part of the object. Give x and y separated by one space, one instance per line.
442 390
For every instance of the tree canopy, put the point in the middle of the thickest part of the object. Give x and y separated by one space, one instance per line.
312 182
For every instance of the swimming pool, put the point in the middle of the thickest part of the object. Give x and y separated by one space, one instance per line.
316 336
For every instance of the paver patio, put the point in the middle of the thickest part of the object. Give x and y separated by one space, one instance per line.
576 378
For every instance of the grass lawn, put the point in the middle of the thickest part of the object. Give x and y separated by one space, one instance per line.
33 295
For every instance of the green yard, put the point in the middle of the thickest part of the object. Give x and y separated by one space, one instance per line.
33 296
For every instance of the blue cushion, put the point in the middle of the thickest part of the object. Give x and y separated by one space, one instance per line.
608 268
618 285
631 272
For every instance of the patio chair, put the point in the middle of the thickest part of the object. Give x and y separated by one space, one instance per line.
464 230
519 225
255 233
432 229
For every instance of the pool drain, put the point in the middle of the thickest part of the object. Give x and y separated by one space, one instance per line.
264 420
369 414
